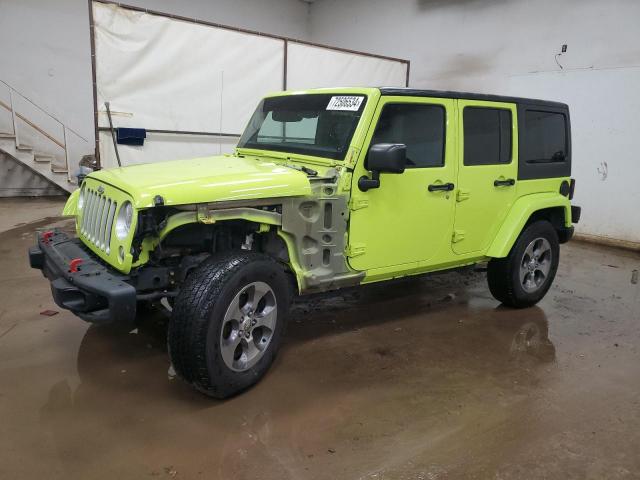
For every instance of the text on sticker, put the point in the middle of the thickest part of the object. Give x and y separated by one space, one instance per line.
345 102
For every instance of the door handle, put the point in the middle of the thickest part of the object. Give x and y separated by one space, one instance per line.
509 182
441 187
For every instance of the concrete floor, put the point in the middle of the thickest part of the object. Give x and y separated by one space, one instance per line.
426 379
15 212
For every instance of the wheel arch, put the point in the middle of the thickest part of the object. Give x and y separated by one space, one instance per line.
552 207
266 228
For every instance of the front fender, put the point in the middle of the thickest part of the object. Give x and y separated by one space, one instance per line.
206 216
518 216
71 207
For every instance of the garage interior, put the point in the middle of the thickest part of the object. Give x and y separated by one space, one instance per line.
420 378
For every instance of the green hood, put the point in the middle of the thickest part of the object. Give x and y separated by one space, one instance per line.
207 179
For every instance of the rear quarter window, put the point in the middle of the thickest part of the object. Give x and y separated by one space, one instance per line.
544 134
546 137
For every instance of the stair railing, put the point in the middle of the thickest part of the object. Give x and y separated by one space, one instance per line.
15 116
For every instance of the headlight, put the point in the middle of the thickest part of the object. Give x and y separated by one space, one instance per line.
123 222
81 198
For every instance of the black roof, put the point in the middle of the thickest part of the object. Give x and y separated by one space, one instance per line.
412 92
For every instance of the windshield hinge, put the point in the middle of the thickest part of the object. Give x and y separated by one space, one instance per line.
355 249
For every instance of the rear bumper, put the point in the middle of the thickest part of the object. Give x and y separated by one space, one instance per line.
575 213
566 233
95 292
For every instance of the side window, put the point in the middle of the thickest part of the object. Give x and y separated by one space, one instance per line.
487 136
545 138
420 127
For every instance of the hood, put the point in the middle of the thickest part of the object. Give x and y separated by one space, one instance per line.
207 179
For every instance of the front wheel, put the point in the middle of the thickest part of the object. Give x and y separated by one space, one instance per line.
523 277
227 322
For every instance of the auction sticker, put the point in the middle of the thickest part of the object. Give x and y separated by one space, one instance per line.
345 102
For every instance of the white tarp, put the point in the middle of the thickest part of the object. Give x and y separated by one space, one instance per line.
311 67
166 74
159 147
160 73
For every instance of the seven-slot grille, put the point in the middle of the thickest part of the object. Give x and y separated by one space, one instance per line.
97 219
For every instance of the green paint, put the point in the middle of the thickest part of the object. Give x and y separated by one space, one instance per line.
396 230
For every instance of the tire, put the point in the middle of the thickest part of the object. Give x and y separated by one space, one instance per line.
521 288
228 321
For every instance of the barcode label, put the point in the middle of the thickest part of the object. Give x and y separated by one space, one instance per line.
345 102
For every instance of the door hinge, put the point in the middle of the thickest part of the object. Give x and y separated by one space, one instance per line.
458 235
462 195
358 203
355 249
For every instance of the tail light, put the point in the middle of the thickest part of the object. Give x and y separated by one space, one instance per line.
572 187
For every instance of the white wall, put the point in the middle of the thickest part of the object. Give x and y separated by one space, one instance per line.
168 74
45 50
509 47
497 46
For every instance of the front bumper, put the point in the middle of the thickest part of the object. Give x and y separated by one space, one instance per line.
95 292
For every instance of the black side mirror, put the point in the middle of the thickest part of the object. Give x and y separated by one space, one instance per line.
383 158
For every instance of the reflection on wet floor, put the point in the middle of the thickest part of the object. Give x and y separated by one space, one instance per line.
427 378
497 340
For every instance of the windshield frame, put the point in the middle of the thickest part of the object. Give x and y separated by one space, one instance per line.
302 152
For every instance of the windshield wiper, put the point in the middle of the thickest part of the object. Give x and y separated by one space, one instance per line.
309 171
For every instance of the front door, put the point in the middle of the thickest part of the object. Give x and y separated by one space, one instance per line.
487 172
404 221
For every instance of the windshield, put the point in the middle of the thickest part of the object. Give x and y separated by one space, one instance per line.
318 124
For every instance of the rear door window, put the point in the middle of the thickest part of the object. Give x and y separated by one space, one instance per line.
487 136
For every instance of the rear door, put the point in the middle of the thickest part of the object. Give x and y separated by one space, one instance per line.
487 173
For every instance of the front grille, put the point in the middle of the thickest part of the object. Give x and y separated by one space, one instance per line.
97 220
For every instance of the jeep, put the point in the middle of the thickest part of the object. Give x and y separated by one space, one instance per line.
327 188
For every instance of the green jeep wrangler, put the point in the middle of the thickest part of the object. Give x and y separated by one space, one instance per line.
326 189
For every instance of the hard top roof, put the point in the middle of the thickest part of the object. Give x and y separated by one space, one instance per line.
412 92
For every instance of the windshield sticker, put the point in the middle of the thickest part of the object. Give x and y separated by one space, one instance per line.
344 102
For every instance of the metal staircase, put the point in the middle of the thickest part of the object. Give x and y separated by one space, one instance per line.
50 159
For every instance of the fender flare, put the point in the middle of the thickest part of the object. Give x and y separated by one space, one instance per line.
518 217
71 207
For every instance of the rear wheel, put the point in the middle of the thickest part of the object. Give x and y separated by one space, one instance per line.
523 277
227 322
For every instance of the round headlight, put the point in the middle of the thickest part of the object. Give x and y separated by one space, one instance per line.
81 198
123 222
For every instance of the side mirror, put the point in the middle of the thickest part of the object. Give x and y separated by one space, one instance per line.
383 158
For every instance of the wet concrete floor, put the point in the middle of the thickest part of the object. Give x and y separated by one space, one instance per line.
14 214
421 379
